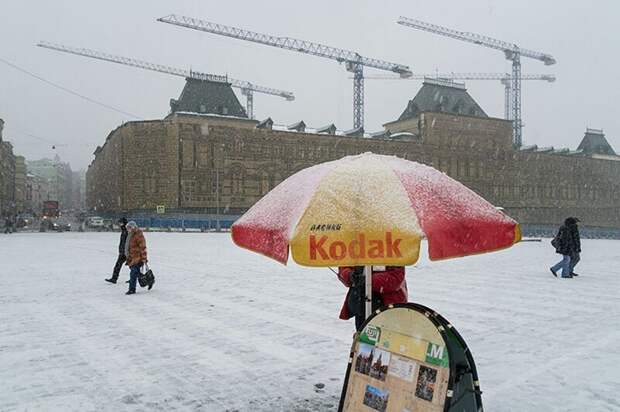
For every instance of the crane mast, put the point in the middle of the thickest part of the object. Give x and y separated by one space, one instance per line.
247 88
511 51
354 62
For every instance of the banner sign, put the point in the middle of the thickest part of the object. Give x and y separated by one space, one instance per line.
401 362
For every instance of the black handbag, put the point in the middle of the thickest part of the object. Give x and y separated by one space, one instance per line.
147 278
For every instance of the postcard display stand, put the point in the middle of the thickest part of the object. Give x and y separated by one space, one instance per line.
409 358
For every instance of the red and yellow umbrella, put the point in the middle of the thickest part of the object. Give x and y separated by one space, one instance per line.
372 210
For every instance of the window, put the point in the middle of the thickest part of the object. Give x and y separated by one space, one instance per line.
264 183
237 181
215 180
202 154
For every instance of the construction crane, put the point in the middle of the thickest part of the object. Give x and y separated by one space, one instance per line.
247 88
511 52
504 78
354 62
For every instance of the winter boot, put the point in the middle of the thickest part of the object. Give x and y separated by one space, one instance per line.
130 292
111 280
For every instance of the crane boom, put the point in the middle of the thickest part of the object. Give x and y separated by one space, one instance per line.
354 62
507 48
511 52
464 76
247 88
289 43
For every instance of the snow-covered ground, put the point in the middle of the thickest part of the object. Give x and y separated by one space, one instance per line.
225 329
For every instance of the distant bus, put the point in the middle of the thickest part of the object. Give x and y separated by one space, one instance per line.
50 208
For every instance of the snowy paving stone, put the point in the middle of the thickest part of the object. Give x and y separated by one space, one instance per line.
230 330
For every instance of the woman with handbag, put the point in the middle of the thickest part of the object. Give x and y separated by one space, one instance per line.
135 250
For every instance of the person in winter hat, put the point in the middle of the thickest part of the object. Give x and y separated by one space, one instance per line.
135 250
388 286
121 251
567 244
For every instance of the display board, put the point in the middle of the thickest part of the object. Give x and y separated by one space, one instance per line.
408 358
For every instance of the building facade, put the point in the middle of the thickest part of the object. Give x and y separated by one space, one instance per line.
39 192
207 163
20 184
58 180
7 176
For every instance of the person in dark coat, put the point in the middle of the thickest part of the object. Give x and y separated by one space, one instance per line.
8 225
121 251
575 255
567 245
388 286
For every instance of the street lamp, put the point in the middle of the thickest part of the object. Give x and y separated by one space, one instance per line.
217 159
217 197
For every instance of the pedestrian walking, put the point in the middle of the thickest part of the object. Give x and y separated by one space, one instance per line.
567 245
135 250
8 225
121 251
388 286
575 255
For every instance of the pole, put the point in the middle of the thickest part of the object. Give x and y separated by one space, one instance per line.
217 199
368 281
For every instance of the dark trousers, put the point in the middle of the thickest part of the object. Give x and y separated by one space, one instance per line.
359 321
134 272
118 265
574 259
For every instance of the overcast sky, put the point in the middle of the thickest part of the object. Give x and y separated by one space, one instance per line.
582 36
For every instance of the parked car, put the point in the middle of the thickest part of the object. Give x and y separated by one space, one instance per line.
54 225
62 226
48 225
95 222
108 224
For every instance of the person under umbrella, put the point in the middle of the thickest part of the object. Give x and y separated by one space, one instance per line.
388 286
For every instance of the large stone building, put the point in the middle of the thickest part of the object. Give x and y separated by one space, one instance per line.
58 177
38 192
213 163
20 184
78 190
7 176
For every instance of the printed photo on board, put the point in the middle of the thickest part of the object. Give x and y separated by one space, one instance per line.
372 361
426 383
376 398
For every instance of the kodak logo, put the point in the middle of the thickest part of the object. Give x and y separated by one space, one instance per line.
324 249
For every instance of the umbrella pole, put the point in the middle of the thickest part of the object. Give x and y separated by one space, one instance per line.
368 281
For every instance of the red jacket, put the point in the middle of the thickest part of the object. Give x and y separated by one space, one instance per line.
389 284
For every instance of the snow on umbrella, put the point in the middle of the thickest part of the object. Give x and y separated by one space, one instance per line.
372 210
